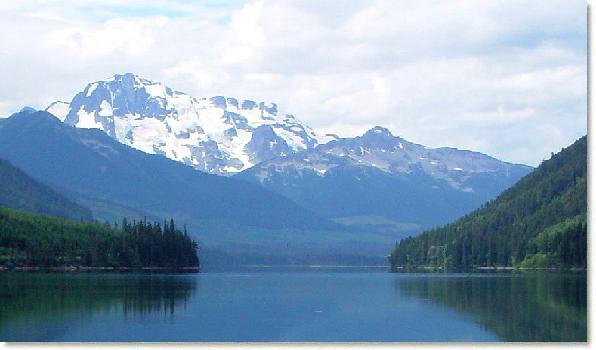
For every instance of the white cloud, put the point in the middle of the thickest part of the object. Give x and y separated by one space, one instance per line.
505 78
119 36
500 116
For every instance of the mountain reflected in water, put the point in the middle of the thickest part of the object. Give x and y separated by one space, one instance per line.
545 307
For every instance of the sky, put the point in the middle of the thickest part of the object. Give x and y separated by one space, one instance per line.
506 78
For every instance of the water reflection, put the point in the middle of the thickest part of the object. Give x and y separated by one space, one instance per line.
274 306
28 299
516 307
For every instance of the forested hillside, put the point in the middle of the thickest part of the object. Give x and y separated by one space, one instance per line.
539 222
35 240
19 191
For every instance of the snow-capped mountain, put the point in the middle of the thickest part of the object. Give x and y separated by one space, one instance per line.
378 148
378 174
374 174
218 135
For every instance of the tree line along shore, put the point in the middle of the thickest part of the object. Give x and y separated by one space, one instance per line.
31 242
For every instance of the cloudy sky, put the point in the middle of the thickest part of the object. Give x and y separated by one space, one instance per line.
507 78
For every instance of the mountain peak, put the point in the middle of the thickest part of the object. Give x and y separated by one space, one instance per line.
381 137
378 131
28 109
125 77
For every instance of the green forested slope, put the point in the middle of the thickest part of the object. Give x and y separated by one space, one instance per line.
19 191
35 240
539 222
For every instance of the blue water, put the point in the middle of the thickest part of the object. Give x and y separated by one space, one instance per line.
312 305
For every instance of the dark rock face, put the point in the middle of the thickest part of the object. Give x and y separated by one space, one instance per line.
265 144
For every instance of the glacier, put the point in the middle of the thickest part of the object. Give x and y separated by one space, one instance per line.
219 135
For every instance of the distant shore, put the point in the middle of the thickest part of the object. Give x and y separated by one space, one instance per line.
511 268
483 268
188 269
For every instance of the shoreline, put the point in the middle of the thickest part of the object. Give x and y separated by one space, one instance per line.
187 269
483 269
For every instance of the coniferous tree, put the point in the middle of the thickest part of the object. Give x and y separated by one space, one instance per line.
33 240
540 222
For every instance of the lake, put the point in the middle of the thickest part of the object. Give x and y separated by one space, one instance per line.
293 305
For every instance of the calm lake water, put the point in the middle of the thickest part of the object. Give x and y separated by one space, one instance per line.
317 305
